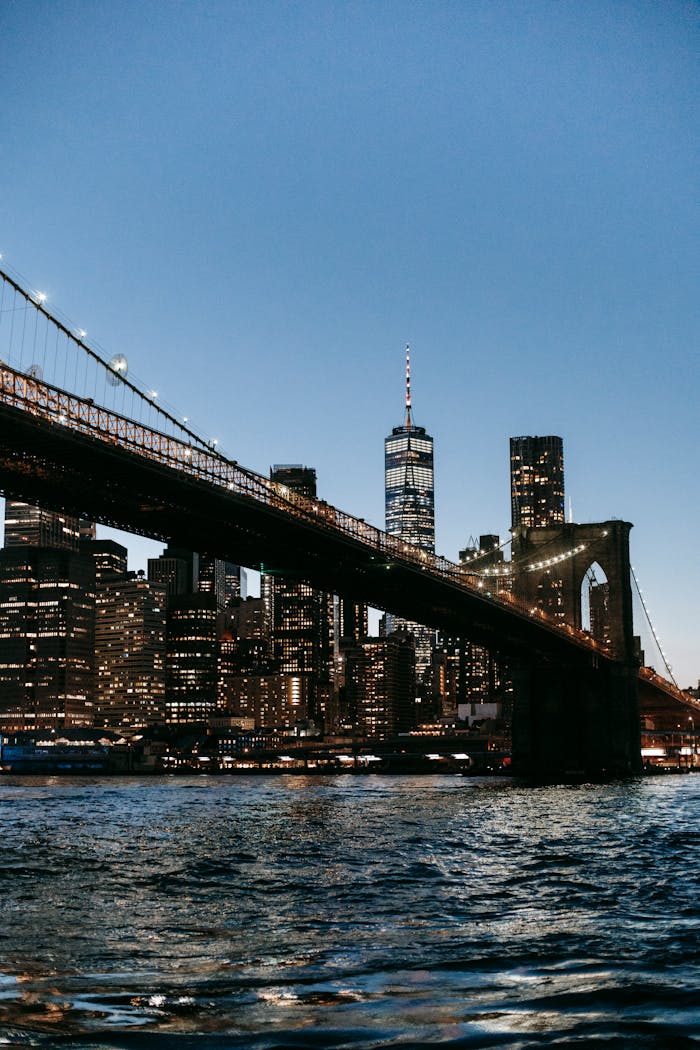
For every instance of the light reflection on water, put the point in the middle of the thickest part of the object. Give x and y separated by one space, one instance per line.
348 912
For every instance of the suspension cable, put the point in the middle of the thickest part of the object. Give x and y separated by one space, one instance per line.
652 628
78 340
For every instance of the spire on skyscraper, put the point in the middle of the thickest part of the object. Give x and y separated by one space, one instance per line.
408 386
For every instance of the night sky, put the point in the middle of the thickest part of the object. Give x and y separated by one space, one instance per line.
260 204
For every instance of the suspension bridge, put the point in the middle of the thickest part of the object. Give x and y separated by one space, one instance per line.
79 434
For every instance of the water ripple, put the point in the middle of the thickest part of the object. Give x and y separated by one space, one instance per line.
348 912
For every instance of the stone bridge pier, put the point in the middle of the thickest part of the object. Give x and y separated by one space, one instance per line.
577 716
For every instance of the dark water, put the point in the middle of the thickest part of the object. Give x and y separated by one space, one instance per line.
348 912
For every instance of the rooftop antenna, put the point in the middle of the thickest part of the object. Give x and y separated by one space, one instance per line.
408 386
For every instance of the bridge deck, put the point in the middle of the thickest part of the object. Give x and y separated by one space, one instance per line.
75 455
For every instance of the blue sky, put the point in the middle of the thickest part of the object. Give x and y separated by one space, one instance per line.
261 204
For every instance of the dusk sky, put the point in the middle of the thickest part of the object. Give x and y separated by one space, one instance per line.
260 204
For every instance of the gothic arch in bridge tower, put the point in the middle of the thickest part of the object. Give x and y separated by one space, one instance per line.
595 603
552 565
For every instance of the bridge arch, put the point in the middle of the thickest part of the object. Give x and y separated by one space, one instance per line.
595 603
551 566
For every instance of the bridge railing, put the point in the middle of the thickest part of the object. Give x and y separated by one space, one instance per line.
668 687
82 415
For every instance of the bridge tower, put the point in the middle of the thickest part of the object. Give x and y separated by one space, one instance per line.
573 717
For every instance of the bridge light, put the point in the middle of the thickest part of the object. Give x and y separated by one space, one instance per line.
41 297
81 333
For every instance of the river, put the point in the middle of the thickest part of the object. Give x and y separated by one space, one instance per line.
348 912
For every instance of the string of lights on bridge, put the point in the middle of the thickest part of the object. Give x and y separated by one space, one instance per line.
117 376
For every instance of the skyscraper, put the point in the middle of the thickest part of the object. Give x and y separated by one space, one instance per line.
379 684
47 603
47 609
212 578
177 569
408 479
410 505
537 481
300 617
130 651
27 525
191 666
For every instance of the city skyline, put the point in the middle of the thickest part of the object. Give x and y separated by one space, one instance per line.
550 232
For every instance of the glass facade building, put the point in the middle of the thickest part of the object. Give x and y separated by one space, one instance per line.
47 610
27 525
409 486
191 666
537 481
409 493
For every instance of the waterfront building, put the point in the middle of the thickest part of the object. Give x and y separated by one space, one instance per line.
130 651
380 684
273 701
537 481
27 525
410 507
47 607
191 668
300 617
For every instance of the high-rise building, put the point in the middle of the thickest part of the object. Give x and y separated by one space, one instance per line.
276 701
47 607
480 673
212 578
234 583
176 568
130 651
408 479
300 617
352 622
110 559
537 481
380 684
410 506
27 525
191 667
295 477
